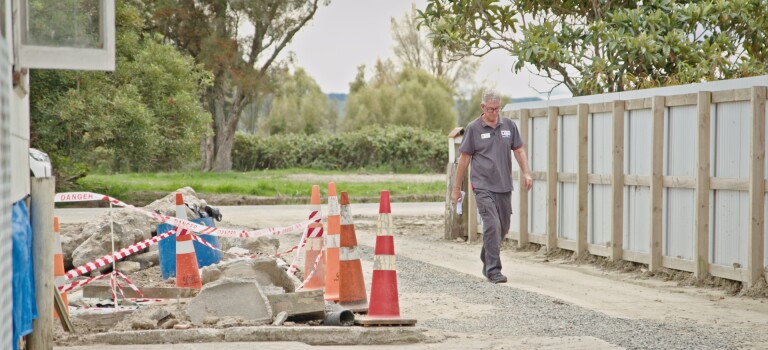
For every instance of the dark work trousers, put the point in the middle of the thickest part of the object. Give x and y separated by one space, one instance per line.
495 209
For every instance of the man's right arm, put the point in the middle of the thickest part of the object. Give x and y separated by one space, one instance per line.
461 169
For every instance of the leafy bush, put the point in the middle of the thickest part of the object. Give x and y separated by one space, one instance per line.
393 148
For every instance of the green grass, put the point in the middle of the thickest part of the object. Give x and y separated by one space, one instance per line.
266 183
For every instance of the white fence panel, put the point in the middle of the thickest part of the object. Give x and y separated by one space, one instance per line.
538 196
637 161
680 148
600 158
568 158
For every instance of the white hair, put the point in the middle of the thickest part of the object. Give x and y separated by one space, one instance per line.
491 96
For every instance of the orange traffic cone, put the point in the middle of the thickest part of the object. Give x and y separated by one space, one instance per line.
351 283
332 246
187 272
385 306
314 245
58 264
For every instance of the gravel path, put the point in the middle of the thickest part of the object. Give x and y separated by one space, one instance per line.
521 313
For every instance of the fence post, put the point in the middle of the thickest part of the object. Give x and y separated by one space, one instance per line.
617 183
581 178
657 185
41 216
701 236
455 225
523 204
756 185
552 114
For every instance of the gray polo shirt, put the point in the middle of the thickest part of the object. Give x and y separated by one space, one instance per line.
490 151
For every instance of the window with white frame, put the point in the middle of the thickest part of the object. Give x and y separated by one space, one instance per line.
67 34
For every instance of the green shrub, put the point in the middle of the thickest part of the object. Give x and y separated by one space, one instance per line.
392 148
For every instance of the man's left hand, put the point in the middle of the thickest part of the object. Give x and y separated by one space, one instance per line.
527 181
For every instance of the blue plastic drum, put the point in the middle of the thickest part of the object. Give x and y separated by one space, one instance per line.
205 256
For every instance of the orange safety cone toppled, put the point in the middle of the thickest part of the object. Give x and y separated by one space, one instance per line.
187 272
351 283
332 246
58 264
384 308
314 246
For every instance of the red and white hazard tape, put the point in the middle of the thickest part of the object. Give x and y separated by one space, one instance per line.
114 256
77 284
314 268
185 224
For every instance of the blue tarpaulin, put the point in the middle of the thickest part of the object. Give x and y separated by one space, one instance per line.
24 308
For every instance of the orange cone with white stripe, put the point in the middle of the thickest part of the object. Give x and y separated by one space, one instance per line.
187 272
58 264
314 245
332 246
351 283
384 308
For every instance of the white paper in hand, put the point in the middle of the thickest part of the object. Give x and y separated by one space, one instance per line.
458 204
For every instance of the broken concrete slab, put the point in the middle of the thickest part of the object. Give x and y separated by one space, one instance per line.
129 227
264 270
231 297
128 267
267 245
303 305
304 334
105 292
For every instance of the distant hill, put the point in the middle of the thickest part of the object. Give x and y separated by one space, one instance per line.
526 99
341 102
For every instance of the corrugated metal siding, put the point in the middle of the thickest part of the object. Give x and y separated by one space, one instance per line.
567 160
600 153
765 205
637 161
731 159
680 148
6 257
514 223
538 196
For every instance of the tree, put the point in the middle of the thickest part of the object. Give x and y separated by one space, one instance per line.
413 48
410 97
242 63
606 46
146 115
299 106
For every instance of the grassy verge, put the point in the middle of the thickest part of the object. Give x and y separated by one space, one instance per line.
270 184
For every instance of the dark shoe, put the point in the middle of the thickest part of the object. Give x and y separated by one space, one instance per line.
497 278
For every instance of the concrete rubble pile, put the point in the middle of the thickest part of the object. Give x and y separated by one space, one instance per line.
236 292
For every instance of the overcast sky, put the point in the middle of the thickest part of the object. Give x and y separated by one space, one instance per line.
349 33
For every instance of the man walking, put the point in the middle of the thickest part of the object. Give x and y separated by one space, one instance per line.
488 141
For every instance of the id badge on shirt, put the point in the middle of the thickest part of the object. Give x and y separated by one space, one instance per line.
485 136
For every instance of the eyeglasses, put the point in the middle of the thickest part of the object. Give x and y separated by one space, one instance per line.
492 110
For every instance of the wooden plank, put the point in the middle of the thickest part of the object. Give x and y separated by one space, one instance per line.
567 110
523 195
731 184
677 264
552 178
41 219
679 181
600 107
599 250
537 113
566 177
599 179
538 175
732 95
617 187
582 188
681 100
566 244
537 238
638 257
62 310
105 292
639 103
756 206
701 214
657 184
455 224
368 322
637 180
729 272
472 230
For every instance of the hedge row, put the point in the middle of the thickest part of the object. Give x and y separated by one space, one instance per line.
397 148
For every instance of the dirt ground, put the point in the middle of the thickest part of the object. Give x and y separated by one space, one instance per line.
625 290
